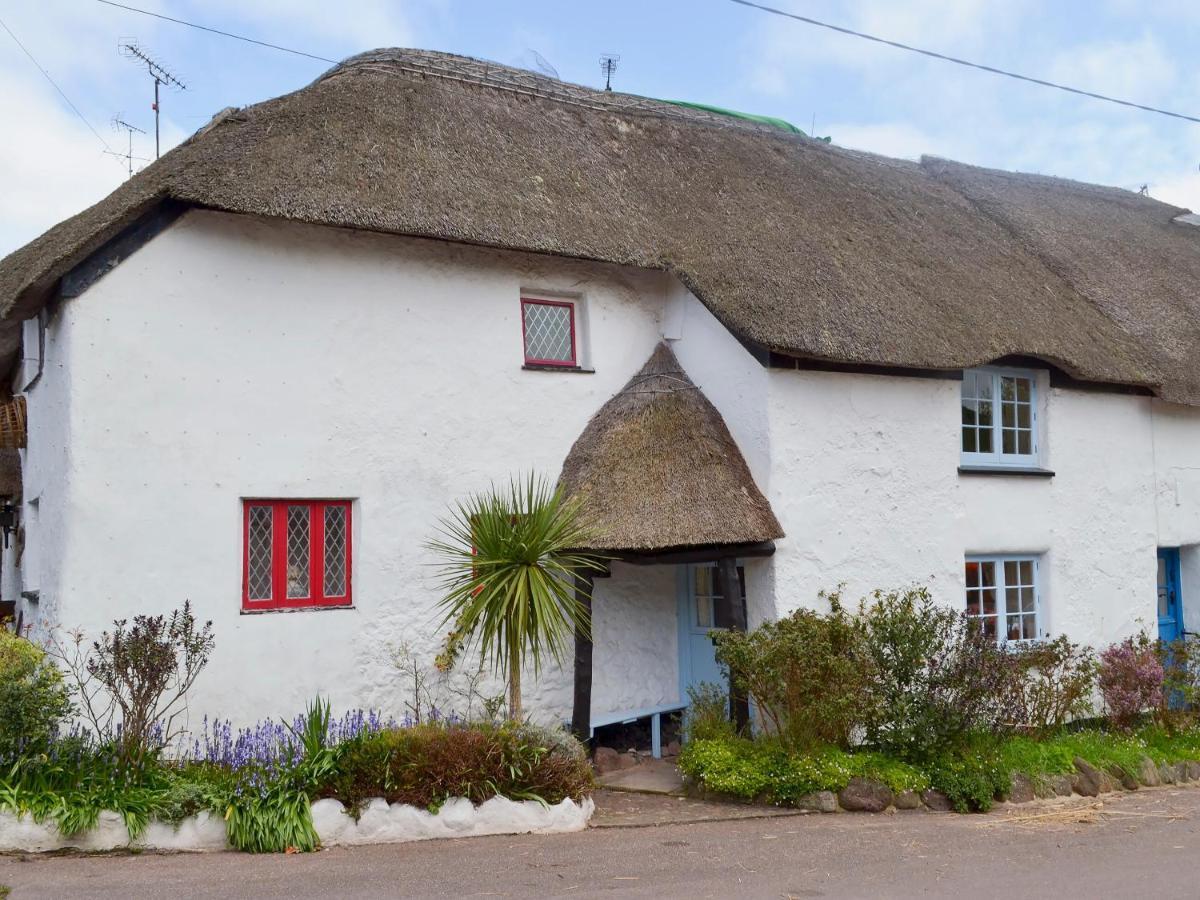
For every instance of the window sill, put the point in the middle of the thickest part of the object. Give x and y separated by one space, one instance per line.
535 367
1019 471
296 609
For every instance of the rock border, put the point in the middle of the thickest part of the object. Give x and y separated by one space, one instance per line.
379 823
865 795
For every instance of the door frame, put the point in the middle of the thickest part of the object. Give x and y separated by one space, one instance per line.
1170 556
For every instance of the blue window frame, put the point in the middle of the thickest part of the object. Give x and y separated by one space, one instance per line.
1002 597
999 417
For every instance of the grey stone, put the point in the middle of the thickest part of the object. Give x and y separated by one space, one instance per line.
936 800
672 748
1148 772
1109 783
627 760
863 795
1193 770
1166 773
907 800
606 760
818 801
1125 779
1020 789
1181 775
1043 788
1064 785
1087 778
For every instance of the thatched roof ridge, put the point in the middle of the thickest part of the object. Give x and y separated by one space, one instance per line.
802 248
657 469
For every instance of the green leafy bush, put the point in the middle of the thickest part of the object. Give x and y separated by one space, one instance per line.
971 781
427 764
1053 682
768 772
33 698
935 677
707 715
1180 660
808 674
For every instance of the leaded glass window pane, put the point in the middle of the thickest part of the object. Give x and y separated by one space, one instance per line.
335 551
259 539
298 526
549 332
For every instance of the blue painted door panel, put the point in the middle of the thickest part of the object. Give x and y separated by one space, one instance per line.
1170 606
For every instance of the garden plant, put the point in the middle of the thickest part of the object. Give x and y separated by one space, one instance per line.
910 694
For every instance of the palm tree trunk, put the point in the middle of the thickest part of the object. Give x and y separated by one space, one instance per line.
514 692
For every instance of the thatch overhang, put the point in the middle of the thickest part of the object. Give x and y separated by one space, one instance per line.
797 247
657 470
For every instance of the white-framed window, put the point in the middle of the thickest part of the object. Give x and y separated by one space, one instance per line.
1002 597
999 417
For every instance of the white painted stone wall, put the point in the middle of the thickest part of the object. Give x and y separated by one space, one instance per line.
865 480
233 358
379 823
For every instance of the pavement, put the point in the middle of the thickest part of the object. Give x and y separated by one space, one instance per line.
1123 845
651 776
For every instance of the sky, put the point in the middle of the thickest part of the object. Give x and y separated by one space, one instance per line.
863 95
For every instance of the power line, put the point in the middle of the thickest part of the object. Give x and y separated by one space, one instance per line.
61 93
960 62
228 34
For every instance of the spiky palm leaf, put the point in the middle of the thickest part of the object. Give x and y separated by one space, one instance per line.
508 561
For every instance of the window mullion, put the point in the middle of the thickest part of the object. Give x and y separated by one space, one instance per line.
316 552
278 552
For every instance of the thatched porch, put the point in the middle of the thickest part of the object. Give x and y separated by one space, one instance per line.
665 484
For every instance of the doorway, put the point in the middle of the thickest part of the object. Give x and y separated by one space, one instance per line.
1170 600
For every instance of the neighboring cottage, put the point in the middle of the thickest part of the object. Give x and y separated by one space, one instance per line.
256 375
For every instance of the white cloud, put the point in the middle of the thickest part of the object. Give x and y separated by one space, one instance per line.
897 139
55 169
1137 70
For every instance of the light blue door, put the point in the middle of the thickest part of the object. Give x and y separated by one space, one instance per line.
1170 608
700 613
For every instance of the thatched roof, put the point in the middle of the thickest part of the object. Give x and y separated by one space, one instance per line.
802 248
657 469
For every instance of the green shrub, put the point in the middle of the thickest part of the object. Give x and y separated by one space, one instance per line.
766 771
808 674
935 677
707 715
427 764
1180 660
971 781
1053 682
33 697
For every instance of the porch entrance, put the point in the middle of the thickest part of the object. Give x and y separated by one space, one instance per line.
702 610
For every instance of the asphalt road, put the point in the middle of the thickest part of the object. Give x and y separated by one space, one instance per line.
1143 844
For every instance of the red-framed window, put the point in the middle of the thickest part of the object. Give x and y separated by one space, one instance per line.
548 327
295 553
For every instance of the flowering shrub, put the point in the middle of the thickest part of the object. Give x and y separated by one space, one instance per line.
1052 684
1131 680
426 764
934 676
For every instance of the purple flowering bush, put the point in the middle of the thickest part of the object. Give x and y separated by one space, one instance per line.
1131 680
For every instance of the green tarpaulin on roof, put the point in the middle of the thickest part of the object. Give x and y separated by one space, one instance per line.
781 124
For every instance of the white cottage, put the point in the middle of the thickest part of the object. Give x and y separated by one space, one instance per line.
256 374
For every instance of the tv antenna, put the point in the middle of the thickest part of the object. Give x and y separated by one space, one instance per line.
130 49
120 124
608 65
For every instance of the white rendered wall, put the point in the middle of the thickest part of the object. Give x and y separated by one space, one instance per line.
1177 458
865 481
232 358
46 512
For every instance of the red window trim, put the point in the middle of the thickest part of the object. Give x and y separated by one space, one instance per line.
533 361
316 555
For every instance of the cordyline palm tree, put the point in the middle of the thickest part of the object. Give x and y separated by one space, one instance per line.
509 559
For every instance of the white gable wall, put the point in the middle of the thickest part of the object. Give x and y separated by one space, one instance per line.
233 358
